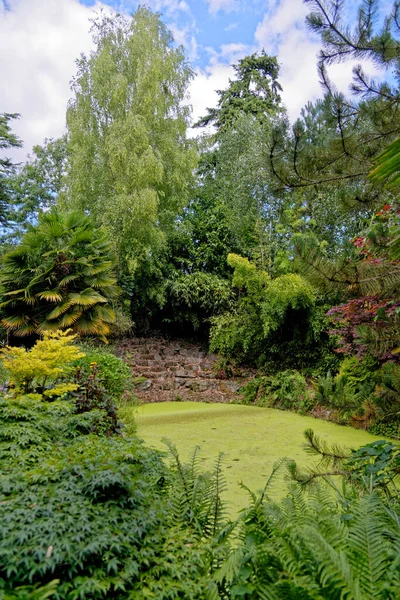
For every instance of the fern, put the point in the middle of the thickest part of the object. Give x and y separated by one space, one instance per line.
196 495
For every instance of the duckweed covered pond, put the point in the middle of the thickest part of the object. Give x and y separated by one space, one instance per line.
251 438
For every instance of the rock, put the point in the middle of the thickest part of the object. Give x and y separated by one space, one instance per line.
145 385
185 373
200 385
229 386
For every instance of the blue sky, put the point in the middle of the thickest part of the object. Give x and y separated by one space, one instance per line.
40 40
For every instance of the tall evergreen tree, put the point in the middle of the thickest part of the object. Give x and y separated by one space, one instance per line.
8 140
255 91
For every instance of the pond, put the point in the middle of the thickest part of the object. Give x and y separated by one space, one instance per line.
252 439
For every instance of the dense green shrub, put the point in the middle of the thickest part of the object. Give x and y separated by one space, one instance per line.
30 428
276 323
191 299
91 512
114 373
288 390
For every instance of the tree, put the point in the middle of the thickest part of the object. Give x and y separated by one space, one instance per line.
59 277
7 168
356 129
37 185
255 91
234 176
334 146
130 161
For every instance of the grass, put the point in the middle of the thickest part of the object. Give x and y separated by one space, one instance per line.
251 438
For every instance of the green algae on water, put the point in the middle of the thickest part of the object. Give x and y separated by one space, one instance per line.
251 438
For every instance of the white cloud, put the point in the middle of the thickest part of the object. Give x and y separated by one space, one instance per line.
228 6
231 26
184 36
169 6
203 88
39 42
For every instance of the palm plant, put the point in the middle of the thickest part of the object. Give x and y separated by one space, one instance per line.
60 276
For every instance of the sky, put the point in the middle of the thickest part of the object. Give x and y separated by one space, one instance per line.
41 39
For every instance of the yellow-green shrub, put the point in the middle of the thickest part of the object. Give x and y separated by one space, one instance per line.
43 368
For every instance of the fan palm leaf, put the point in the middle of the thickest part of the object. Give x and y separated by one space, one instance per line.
49 281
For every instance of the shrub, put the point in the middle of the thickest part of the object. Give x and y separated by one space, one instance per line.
353 385
123 324
60 276
42 369
276 323
288 390
91 394
113 372
87 515
192 299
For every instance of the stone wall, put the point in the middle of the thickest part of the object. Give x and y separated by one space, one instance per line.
178 370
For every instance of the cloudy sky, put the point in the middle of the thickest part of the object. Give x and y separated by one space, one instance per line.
40 40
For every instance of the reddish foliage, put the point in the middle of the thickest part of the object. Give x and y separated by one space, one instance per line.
368 310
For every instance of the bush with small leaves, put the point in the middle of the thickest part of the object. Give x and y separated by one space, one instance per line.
88 515
113 372
44 368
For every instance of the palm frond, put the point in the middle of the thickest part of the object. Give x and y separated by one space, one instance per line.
50 295
86 298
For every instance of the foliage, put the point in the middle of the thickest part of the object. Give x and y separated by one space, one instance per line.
350 388
356 131
123 324
38 184
387 396
351 319
193 298
288 292
42 369
130 162
60 276
244 212
288 390
90 512
320 547
255 92
90 394
7 169
275 321
196 495
31 429
387 166
322 541
113 372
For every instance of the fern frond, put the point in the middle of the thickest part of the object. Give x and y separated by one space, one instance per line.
369 550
